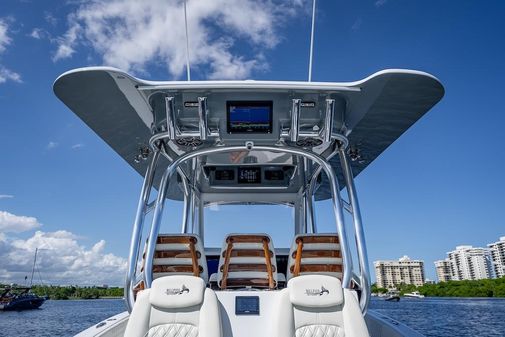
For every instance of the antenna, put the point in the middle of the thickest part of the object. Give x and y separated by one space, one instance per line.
33 269
312 38
188 71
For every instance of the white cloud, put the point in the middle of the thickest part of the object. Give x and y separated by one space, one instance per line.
77 146
17 223
380 3
5 40
61 260
357 24
38 33
5 73
131 34
51 145
6 196
50 19
8 75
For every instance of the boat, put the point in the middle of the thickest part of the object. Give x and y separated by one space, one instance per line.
392 296
218 144
20 297
414 294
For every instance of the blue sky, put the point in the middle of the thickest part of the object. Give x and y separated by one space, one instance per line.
440 185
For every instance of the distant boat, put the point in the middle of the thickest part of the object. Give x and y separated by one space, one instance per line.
392 296
19 297
414 294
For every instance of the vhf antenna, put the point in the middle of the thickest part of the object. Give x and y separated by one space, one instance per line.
188 70
312 38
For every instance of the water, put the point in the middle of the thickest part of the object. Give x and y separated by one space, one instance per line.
436 317
433 317
58 318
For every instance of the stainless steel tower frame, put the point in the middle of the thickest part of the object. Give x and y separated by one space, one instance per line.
189 210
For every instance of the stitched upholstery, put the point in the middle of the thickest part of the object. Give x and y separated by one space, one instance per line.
173 330
175 306
321 330
318 306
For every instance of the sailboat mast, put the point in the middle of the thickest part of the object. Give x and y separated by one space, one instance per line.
33 268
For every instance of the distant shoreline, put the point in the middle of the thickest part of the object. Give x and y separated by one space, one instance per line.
87 299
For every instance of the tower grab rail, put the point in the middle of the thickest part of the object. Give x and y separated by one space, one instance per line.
353 208
337 202
137 230
358 230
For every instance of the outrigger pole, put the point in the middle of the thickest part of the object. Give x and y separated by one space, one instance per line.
312 38
188 70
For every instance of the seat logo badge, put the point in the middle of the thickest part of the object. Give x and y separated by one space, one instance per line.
317 292
177 291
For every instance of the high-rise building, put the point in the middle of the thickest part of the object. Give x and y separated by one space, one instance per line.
443 268
390 274
470 263
498 256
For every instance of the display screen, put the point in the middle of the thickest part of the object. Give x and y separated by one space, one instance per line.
225 174
247 305
249 117
274 175
249 175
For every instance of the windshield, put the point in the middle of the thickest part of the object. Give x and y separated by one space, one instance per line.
274 220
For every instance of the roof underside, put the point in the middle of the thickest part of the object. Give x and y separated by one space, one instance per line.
373 112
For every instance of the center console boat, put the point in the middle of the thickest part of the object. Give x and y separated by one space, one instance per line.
215 143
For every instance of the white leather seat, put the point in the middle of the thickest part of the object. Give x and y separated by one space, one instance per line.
316 305
175 306
247 260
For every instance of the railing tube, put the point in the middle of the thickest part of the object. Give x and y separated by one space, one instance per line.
337 201
155 228
137 231
358 229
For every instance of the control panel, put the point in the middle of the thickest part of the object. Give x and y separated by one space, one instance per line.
249 175
247 305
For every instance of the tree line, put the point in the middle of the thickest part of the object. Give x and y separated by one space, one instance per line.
466 288
75 292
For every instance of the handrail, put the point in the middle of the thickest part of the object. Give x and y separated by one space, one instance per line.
137 230
358 229
337 202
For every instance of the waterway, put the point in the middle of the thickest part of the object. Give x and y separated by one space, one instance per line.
433 317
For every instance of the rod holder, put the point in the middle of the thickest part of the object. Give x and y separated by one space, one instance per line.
328 119
202 115
295 119
170 110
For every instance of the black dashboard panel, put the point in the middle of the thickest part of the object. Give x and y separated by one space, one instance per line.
249 175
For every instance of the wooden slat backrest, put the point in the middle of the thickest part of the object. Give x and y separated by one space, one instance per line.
174 247
309 252
232 251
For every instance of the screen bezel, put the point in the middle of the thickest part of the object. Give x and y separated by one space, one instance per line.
256 301
268 104
245 182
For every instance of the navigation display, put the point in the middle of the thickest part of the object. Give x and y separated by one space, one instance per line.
249 175
247 305
249 117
